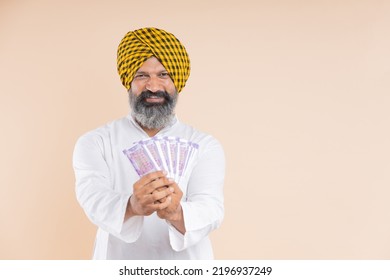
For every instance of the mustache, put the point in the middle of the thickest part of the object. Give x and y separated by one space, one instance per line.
147 94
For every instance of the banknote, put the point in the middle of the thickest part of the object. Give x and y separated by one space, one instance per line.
151 149
183 152
172 154
141 161
170 148
191 156
163 154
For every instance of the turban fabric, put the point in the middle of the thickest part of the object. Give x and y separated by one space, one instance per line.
141 44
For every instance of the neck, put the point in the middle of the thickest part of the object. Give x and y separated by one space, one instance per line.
150 132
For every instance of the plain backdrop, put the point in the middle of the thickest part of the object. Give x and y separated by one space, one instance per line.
297 92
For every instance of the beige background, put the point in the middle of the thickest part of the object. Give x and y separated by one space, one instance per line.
298 93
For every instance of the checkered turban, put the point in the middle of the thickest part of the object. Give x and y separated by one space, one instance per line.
139 45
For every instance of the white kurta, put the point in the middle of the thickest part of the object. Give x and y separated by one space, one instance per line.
104 183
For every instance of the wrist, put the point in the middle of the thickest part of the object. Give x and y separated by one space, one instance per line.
177 216
129 209
177 221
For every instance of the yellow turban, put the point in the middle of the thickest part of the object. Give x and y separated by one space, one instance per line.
139 45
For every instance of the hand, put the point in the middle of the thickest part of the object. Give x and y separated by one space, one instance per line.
161 189
173 210
145 200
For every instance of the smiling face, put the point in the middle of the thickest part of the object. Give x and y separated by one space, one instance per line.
152 76
152 95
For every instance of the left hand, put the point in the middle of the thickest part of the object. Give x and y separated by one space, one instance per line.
173 212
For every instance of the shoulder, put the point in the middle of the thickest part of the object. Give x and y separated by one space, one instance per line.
206 141
101 134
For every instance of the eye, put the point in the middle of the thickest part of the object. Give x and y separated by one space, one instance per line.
140 76
164 75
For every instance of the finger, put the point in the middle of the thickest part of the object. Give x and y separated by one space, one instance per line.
158 195
157 184
149 178
159 190
161 206
176 188
164 204
177 193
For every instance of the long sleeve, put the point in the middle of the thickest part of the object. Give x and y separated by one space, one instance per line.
95 189
104 184
203 208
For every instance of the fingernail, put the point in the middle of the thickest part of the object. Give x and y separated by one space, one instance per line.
171 189
170 179
164 172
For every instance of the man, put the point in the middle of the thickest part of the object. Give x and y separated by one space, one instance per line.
152 216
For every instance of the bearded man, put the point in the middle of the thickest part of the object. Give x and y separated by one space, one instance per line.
153 216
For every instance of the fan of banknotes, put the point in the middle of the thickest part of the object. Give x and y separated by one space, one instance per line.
172 154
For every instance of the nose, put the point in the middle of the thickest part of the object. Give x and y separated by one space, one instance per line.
154 84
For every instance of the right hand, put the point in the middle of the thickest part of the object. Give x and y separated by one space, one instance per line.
145 200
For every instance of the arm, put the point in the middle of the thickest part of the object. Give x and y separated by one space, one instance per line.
173 213
113 211
202 210
95 192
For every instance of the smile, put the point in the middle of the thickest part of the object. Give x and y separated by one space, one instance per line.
155 99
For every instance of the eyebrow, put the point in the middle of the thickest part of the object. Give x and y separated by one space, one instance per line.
144 72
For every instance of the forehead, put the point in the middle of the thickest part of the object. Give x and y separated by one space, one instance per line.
152 64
